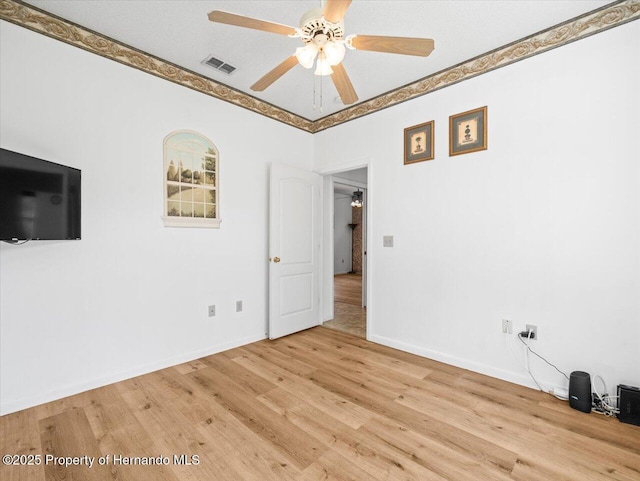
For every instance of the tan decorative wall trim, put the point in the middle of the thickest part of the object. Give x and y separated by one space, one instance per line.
609 16
605 18
47 24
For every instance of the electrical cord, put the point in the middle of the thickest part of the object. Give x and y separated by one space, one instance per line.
509 347
604 406
16 243
605 401
528 369
538 355
527 366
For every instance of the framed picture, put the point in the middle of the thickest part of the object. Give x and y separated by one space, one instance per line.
418 143
468 131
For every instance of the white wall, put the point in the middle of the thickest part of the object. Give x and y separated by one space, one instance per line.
542 228
131 296
341 234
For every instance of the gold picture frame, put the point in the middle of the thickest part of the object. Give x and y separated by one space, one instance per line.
468 131
419 143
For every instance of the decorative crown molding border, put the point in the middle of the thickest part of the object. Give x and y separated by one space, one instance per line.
58 28
609 16
599 20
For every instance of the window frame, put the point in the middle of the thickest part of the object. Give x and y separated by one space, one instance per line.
184 221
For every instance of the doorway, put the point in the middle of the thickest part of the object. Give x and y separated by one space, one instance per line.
348 267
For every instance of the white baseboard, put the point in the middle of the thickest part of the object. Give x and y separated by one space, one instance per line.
516 378
65 391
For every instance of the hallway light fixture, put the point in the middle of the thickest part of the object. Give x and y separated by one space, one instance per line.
356 199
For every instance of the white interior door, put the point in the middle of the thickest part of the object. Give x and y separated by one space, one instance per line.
364 247
294 250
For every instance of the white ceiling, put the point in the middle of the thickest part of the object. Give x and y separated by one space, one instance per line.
180 32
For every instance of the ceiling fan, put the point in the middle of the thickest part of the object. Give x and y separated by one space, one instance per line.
322 32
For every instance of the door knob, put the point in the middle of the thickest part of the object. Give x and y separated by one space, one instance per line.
276 259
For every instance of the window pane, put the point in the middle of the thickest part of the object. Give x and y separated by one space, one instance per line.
209 163
198 195
172 191
186 209
173 209
211 211
186 193
211 196
172 171
186 175
198 210
198 177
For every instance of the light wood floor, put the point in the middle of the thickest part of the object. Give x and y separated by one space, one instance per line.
348 314
347 288
321 405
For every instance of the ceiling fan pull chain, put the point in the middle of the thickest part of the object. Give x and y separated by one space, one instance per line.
314 92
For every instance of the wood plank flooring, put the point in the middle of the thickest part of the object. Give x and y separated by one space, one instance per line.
320 405
348 314
347 288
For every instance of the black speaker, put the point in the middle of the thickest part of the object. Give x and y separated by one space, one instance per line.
580 391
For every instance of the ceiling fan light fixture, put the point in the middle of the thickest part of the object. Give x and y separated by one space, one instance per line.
307 54
334 52
322 65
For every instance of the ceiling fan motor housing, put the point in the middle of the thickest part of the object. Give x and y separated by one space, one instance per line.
318 30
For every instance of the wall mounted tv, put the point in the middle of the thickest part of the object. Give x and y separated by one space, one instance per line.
39 200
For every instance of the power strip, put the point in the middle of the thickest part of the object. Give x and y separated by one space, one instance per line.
560 392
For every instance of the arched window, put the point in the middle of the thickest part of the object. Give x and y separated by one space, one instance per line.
191 168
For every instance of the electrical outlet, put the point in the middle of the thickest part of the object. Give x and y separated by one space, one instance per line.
507 326
387 241
531 327
212 310
238 306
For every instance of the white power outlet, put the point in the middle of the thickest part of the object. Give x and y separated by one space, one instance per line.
238 306
212 310
507 326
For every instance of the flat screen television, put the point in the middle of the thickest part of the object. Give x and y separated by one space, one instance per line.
39 200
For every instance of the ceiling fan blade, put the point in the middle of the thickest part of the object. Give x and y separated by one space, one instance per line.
334 10
275 74
343 84
421 47
219 16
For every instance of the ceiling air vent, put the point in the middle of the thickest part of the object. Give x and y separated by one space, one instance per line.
218 64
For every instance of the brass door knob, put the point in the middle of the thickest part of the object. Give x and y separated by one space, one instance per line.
276 259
